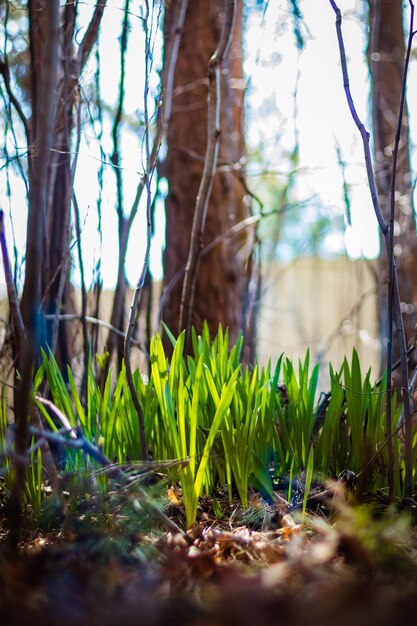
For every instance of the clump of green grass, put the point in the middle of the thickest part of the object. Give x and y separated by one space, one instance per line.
224 426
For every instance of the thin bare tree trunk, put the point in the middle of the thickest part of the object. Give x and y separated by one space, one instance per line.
56 289
394 313
44 21
117 318
54 73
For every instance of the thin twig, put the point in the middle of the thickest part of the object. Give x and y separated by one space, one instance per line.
354 310
150 166
118 308
164 111
91 34
83 316
16 157
77 224
5 72
115 157
63 262
14 306
97 322
141 280
58 414
360 126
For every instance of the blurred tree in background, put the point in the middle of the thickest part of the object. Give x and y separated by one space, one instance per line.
386 52
289 222
223 272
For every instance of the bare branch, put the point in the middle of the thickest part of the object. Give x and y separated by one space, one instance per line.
58 414
359 124
164 111
150 166
141 280
117 314
77 224
90 36
5 72
94 320
163 116
17 321
115 157
354 310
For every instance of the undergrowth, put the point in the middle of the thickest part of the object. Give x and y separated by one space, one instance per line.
216 427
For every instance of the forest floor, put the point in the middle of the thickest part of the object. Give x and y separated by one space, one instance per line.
345 564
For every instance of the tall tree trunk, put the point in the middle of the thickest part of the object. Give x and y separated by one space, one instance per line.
56 291
386 54
44 46
54 72
57 236
220 285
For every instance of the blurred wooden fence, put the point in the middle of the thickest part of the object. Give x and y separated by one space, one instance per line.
326 305
329 306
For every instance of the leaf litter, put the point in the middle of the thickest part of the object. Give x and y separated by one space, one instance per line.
260 565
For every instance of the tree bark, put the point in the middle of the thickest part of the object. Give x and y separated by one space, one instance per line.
220 285
44 27
386 52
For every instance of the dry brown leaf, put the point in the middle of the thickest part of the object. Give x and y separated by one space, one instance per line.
173 497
